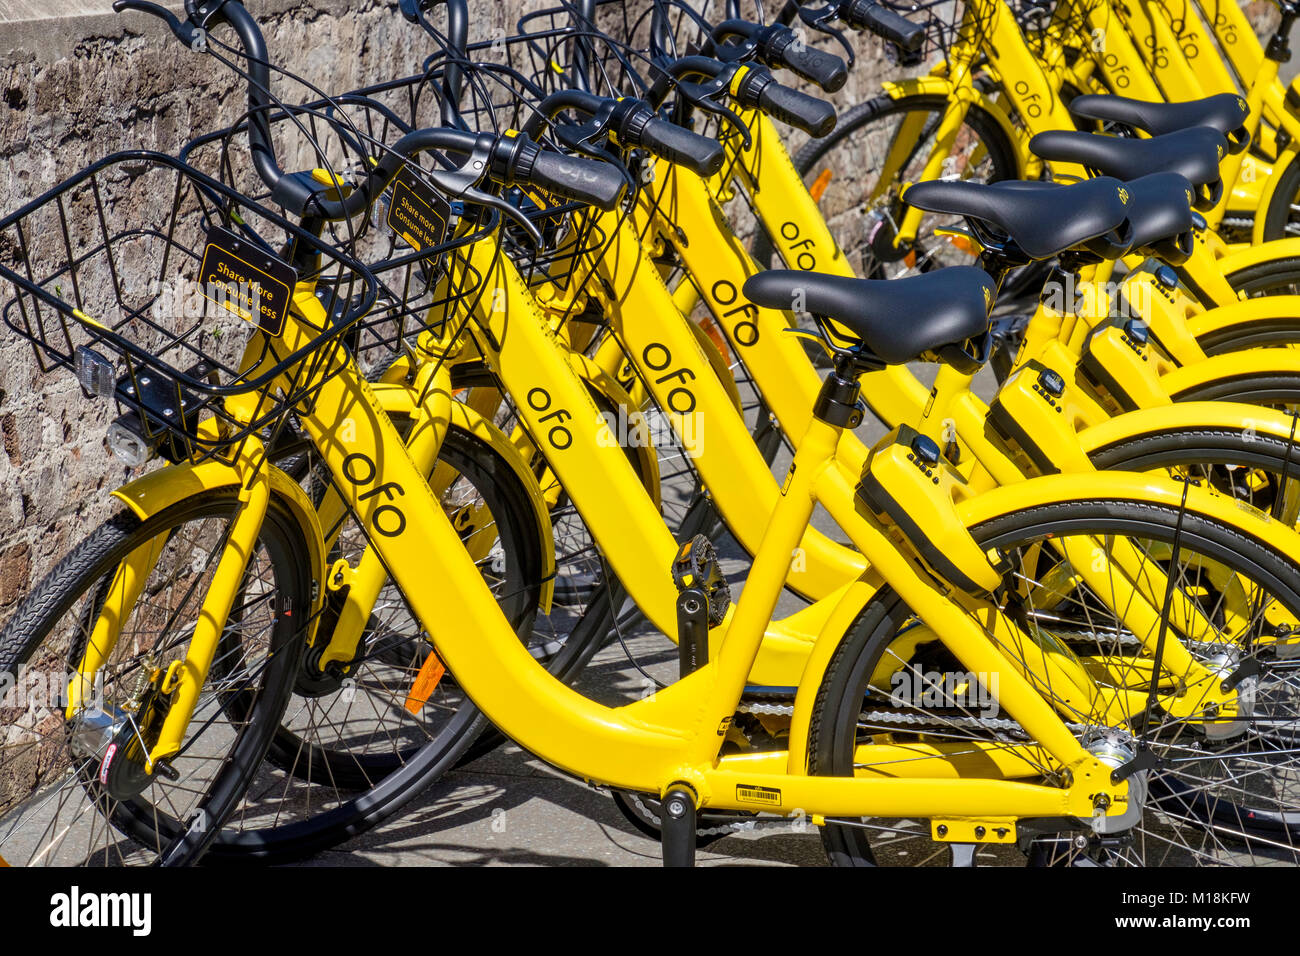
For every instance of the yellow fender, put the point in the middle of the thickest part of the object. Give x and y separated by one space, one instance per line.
1211 415
942 86
1255 364
396 398
1268 188
1243 257
1234 323
1119 486
155 492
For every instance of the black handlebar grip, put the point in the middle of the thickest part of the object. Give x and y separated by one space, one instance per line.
885 23
681 147
815 117
816 66
581 180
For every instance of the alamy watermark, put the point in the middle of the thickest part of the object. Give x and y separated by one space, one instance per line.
931 690
183 298
41 691
1097 300
651 429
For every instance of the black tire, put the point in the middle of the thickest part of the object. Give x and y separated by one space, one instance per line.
847 691
328 776
1280 221
168 822
1274 277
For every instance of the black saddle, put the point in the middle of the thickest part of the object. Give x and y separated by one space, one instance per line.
1041 219
1225 112
1192 153
897 320
1160 210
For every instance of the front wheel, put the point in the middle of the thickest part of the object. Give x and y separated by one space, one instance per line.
354 747
73 791
1217 799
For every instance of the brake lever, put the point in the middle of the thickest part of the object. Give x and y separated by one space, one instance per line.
455 182
700 96
821 22
480 198
189 34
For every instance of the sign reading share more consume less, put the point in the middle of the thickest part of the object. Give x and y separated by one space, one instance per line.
417 213
246 280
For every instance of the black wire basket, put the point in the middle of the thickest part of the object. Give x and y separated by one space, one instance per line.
154 285
420 262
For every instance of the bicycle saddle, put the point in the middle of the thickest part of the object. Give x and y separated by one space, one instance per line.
1041 219
1192 153
1224 112
897 320
1160 211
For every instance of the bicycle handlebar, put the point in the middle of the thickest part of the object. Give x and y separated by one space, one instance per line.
883 22
634 123
759 90
508 160
779 46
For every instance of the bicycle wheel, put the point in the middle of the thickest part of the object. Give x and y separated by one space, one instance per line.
1225 799
1282 217
60 802
354 747
1279 276
842 171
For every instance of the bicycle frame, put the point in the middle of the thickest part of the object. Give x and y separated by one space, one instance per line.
671 737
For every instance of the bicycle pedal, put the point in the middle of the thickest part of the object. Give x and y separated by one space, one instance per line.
696 567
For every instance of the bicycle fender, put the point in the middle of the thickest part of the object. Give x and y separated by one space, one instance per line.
1256 364
480 427
1180 415
1239 320
155 492
942 86
1260 252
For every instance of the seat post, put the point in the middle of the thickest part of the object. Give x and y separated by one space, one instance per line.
838 402
1279 45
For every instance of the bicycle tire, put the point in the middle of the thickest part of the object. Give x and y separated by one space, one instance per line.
82 577
840 699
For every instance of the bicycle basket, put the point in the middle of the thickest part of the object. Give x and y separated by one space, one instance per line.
145 278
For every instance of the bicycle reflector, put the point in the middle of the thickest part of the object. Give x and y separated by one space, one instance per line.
127 444
97 374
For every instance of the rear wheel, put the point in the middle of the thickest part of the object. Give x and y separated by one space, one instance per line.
1229 800
1282 218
